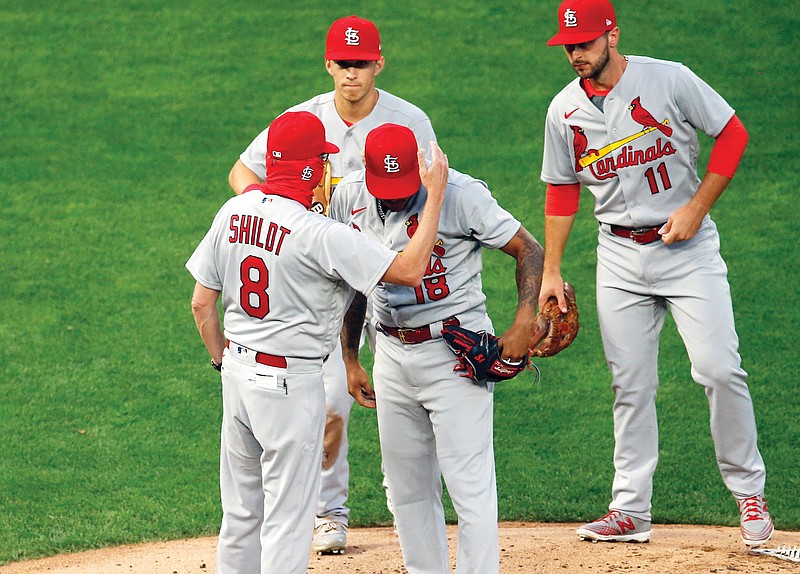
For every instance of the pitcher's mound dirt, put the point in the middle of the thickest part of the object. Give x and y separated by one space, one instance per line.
524 549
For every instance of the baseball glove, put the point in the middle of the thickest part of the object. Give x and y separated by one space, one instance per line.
562 327
479 356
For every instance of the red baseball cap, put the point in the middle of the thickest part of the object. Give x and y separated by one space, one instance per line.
353 38
582 21
392 165
297 136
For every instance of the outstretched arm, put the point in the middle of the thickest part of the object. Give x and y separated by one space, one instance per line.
529 255
556 232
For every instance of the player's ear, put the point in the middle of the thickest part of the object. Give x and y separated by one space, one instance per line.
328 65
613 38
379 65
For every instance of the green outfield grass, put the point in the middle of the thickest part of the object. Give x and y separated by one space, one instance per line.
120 122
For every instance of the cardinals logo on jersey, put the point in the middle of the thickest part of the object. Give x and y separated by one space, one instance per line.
604 165
642 116
434 283
579 145
412 223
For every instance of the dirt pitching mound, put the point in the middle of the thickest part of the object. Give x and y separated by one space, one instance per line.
524 549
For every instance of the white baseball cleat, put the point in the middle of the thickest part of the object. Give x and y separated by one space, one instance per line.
330 538
616 527
756 523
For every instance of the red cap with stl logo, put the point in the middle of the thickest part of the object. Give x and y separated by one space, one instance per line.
582 21
392 166
353 38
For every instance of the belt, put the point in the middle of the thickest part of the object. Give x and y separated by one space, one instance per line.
265 358
641 235
417 335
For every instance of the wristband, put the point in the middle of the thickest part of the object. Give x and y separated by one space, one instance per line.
216 366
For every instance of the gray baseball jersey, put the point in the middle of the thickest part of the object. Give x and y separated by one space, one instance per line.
350 139
470 219
638 156
290 268
422 403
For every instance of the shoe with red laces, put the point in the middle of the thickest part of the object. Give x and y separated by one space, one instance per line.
756 523
616 526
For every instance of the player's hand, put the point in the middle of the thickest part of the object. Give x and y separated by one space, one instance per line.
434 176
516 342
358 385
683 224
553 286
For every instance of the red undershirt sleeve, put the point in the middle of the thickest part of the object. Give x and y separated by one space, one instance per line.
728 148
562 200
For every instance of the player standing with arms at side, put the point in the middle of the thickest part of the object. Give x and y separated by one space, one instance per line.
432 422
355 106
285 275
626 129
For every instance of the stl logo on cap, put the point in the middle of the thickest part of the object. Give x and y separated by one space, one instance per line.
351 37
391 164
307 174
582 21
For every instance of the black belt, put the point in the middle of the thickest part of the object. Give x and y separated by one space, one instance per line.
416 335
641 235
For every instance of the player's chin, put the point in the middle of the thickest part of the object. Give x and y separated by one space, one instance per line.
353 93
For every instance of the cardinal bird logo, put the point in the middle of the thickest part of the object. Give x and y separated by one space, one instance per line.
411 225
646 119
579 145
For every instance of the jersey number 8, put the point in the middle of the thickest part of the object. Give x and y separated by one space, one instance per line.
253 295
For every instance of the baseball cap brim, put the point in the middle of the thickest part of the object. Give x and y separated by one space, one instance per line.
397 187
574 37
330 148
349 56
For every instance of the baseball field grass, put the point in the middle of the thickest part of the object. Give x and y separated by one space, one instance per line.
120 122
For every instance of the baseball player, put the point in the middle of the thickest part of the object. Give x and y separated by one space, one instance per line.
432 422
626 129
353 59
285 275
